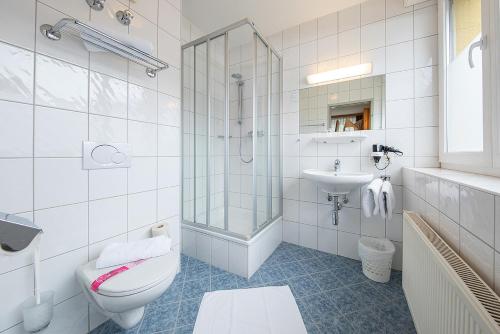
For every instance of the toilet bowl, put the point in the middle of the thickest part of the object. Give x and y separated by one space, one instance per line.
123 297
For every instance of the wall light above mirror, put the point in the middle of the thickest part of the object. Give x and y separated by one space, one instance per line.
352 105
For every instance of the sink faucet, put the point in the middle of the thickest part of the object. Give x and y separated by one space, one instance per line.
337 165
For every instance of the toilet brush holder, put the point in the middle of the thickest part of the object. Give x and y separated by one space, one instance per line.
38 316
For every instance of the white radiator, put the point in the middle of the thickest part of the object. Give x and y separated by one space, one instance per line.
444 294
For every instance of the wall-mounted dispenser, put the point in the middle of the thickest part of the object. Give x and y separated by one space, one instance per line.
16 233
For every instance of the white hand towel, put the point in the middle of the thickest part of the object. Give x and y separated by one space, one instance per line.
370 201
386 200
121 252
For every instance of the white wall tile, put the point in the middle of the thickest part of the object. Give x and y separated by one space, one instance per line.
449 231
16 130
17 23
400 85
107 218
426 81
49 91
426 51
203 247
238 259
220 253
373 226
372 11
373 35
20 283
291 58
426 141
449 197
142 104
70 221
59 133
291 37
308 236
426 22
141 209
142 138
168 202
59 181
400 114
395 7
308 31
308 213
291 232
64 283
327 240
169 19
349 18
427 111
477 213
327 48
349 42
328 25
16 74
348 245
308 53
400 57
107 182
107 129
399 29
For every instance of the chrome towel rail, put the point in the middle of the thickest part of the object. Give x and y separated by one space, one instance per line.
104 41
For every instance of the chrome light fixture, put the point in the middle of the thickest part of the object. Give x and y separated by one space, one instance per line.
341 73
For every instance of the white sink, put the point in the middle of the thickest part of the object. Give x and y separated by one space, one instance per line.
337 183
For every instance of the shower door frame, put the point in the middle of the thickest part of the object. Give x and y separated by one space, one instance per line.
224 32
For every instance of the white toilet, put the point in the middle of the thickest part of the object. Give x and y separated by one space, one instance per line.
123 297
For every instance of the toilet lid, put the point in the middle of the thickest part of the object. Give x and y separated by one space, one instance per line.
139 278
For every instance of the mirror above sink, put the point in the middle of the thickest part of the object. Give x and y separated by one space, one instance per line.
346 106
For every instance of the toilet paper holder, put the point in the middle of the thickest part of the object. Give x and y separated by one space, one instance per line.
16 233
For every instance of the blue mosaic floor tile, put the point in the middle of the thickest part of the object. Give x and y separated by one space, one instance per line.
292 269
327 280
188 311
159 318
252 282
223 282
332 294
320 308
195 288
303 286
346 300
313 265
271 274
337 325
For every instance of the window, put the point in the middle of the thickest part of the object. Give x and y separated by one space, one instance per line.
466 82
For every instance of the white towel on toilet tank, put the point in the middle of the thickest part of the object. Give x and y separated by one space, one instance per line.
126 252
386 200
370 201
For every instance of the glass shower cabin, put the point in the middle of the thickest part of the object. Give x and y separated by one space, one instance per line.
231 177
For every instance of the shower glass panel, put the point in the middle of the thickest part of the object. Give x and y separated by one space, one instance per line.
231 122
260 134
200 133
216 75
275 135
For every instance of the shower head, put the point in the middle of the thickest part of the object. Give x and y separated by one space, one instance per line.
236 76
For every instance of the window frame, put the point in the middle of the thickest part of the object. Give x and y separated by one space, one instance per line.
485 161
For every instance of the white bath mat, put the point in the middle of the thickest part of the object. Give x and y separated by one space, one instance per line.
269 310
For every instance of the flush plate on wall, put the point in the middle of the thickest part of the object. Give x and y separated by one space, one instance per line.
105 155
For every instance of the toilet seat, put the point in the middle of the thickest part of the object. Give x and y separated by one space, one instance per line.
140 278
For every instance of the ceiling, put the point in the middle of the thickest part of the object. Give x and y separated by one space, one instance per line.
270 16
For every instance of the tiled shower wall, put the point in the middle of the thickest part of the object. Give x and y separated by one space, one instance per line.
468 219
54 95
401 42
